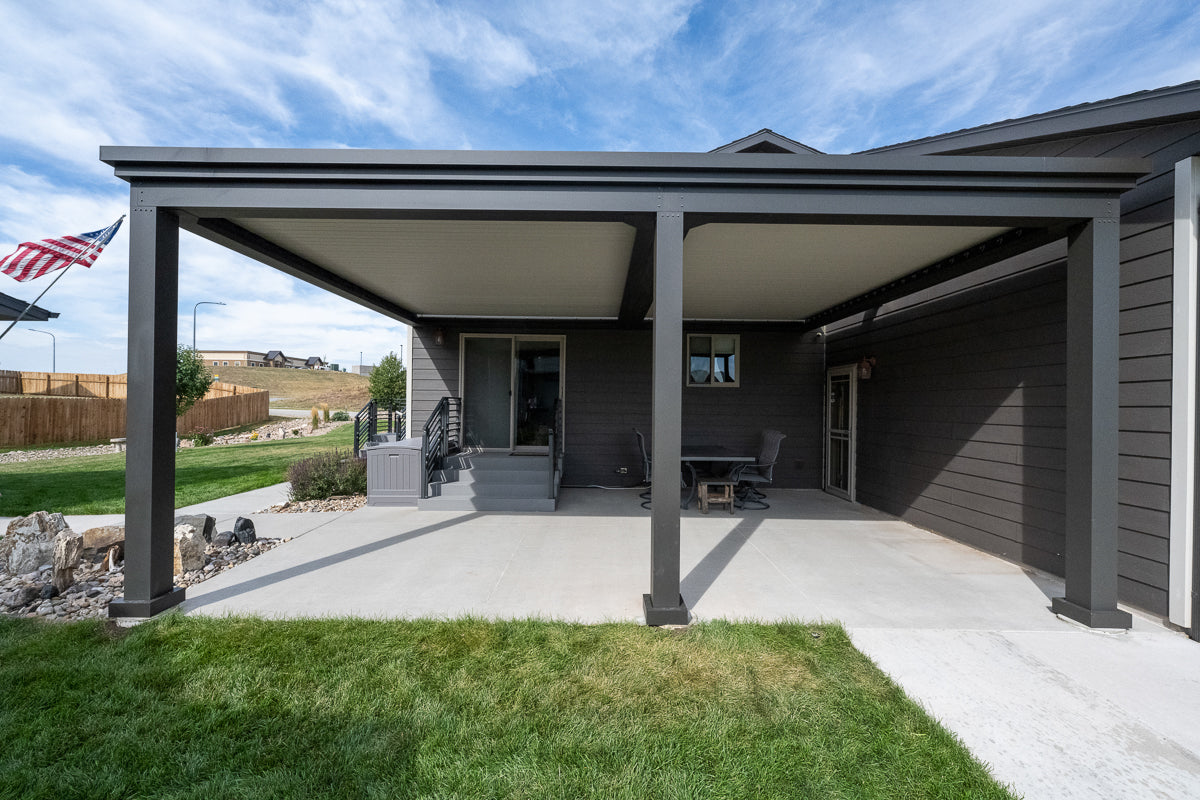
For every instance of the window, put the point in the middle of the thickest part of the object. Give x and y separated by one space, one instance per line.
224 363
215 364
237 363
713 359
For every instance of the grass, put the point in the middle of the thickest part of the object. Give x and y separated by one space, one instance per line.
96 484
246 708
302 388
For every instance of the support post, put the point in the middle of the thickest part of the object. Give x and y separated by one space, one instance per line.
150 416
664 604
1093 290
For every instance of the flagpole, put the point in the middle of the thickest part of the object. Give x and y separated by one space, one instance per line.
63 271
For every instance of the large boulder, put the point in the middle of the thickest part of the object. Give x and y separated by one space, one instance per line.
243 531
29 543
68 549
203 523
189 549
103 538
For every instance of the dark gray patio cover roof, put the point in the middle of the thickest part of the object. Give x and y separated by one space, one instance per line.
425 235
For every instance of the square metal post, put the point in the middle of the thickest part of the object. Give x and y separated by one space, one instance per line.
664 605
1093 293
150 415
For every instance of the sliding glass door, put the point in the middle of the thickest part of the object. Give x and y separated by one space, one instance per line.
509 387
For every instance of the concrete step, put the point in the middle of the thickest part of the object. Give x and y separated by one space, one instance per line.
497 461
461 489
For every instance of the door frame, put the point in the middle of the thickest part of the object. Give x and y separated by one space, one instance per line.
850 371
512 380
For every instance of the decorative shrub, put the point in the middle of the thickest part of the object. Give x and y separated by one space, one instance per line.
315 420
340 416
254 436
335 472
202 437
325 411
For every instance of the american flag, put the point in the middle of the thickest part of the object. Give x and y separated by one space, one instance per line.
34 259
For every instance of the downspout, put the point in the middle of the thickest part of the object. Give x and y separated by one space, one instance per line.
1183 588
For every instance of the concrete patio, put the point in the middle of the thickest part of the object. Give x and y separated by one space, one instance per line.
1055 709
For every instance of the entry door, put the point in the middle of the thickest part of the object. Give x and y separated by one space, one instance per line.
510 385
840 412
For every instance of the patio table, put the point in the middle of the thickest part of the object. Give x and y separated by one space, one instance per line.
691 454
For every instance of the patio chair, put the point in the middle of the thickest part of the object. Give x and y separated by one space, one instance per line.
760 473
641 440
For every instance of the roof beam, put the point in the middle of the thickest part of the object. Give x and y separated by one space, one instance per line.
235 237
639 280
1006 245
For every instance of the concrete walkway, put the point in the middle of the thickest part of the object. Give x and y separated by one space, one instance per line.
1055 710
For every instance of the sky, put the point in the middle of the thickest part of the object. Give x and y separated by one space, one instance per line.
662 75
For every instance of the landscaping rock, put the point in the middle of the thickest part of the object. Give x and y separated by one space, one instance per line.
29 543
19 597
223 539
189 549
243 531
48 591
68 549
102 538
205 524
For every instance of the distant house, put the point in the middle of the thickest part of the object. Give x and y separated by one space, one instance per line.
11 308
362 369
251 358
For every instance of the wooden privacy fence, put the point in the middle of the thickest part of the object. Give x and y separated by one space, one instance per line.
39 419
62 384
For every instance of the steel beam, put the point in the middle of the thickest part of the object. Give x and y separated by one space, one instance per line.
150 415
664 604
639 279
1093 292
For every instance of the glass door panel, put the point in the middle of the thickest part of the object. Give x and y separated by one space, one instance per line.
839 446
487 391
538 377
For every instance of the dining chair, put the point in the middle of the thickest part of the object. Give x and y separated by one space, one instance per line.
641 440
760 473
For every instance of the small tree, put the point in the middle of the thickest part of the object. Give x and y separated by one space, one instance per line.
389 383
192 379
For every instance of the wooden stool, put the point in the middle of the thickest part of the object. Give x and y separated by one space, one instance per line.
716 492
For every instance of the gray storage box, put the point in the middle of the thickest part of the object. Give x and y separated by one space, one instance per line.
394 473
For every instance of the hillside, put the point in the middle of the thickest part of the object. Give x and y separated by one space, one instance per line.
301 388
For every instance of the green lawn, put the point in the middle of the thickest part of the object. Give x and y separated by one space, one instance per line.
246 708
96 484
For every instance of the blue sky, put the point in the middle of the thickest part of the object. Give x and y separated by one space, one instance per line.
555 75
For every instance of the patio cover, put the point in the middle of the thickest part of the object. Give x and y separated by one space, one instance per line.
627 239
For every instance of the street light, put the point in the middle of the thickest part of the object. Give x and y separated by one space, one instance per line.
201 303
53 348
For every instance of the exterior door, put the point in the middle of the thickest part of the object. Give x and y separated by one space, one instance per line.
841 389
509 387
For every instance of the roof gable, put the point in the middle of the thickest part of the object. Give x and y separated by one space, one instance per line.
766 141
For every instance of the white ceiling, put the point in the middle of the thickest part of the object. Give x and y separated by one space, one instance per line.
578 269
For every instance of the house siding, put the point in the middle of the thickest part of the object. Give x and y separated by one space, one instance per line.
962 429
608 394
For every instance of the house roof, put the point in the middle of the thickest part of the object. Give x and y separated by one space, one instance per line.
1151 107
11 308
275 355
313 360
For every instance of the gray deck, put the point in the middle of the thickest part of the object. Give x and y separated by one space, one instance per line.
1055 709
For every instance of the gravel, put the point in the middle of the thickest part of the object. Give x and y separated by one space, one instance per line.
338 503
95 587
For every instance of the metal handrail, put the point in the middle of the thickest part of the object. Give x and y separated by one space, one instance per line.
441 435
557 450
367 422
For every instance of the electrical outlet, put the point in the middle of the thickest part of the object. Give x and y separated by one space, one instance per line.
622 470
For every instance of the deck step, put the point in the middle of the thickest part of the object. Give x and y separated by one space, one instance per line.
491 482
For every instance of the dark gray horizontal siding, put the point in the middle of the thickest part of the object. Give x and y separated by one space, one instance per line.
962 432
608 394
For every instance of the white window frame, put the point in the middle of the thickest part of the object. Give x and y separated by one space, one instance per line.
710 383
